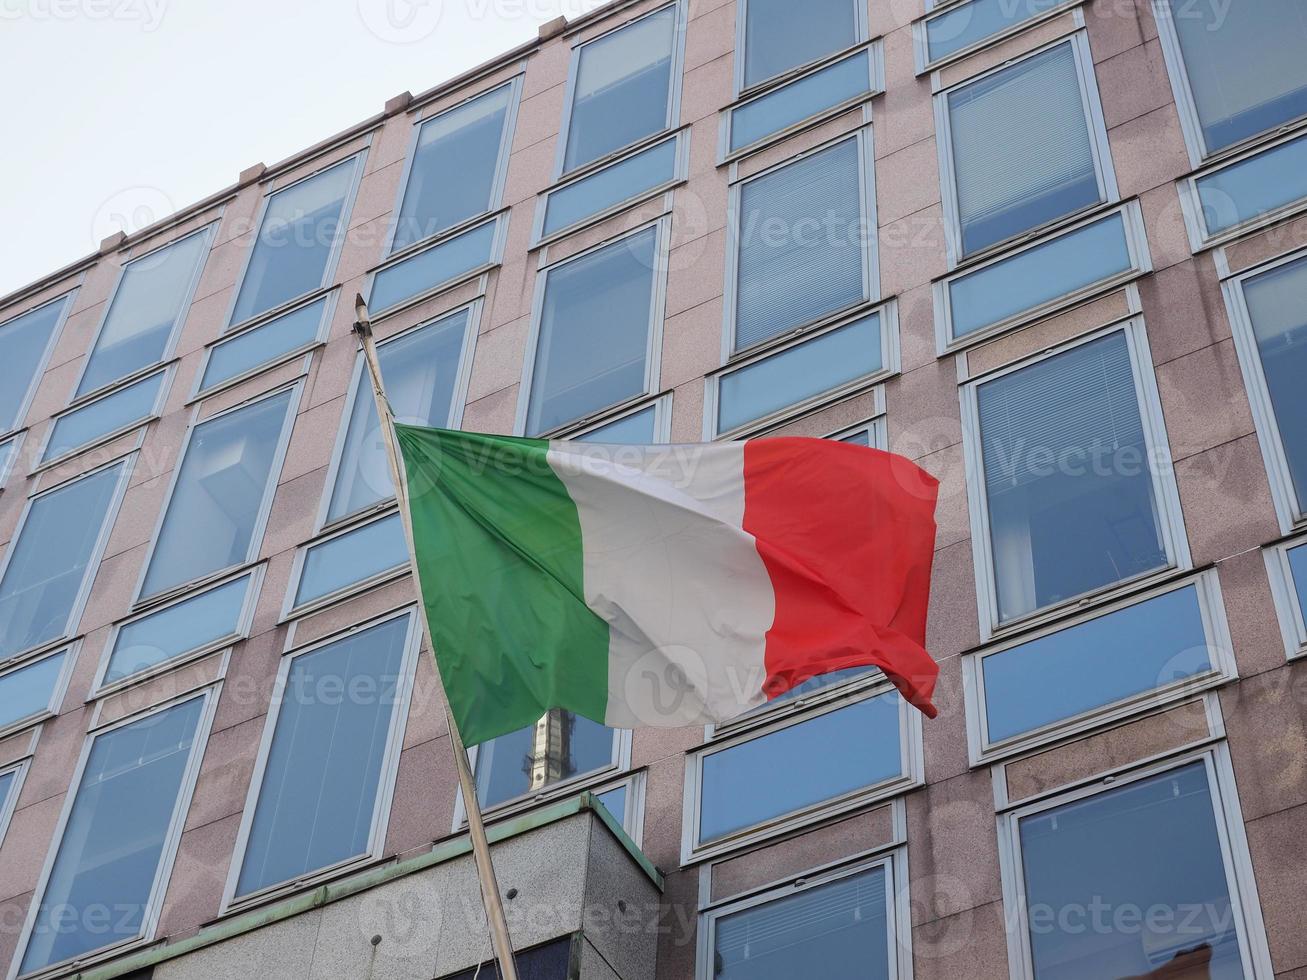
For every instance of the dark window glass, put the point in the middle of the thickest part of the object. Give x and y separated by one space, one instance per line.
558 747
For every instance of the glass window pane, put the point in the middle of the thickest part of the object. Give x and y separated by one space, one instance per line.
1298 568
421 371
223 480
361 554
110 413
860 438
1028 280
454 166
973 22
199 621
24 342
801 244
594 332
622 88
146 309
1067 475
1131 881
50 560
1095 663
614 801
819 683
264 344
780 35
1022 153
323 772
8 782
801 99
838 929
27 691
1258 185
796 374
447 262
1244 65
793 768
103 874
622 181
296 240
558 747
636 429
6 456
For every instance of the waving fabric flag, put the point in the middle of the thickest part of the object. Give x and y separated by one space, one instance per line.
664 585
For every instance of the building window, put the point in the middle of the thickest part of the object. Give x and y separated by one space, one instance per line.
300 235
25 344
117 837
96 422
1269 315
32 691
1249 191
622 88
642 426
322 786
456 166
839 924
425 371
1222 105
53 557
1139 879
562 748
224 485
245 353
598 319
961 28
145 312
803 243
346 562
1021 147
1074 494
11 783
780 36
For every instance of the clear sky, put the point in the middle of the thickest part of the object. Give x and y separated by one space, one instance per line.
119 112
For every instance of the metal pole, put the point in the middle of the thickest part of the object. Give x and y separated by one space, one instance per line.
490 897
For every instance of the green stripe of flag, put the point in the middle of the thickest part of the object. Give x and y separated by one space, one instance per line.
498 549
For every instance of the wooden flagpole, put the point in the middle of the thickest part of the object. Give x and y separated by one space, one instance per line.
491 899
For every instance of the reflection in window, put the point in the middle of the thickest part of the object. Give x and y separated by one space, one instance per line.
780 35
559 747
970 24
616 183
24 343
1068 478
362 553
636 429
27 692
1298 569
272 340
114 412
1241 192
1131 881
806 97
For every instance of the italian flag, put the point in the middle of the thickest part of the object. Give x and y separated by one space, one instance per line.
663 585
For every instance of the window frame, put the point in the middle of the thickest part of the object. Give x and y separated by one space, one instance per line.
209 231
57 693
169 374
127 461
861 689
9 805
632 820
661 405
141 602
1095 125
862 31
25 405
1230 832
387 777
677 71
168 852
1166 494
920 45
1220 646
872 293
1284 590
356 160
458 403
662 226
290 611
1289 510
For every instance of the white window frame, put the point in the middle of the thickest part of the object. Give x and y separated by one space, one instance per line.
1166 495
354 160
296 389
385 783
168 373
1289 611
632 820
20 416
1108 191
208 231
8 807
661 405
127 462
167 855
936 10
862 36
70 652
291 611
1230 830
673 93
458 402
253 587
1141 261
1289 510
898 907
514 85
871 287
890 367
804 709
653 352
1220 650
